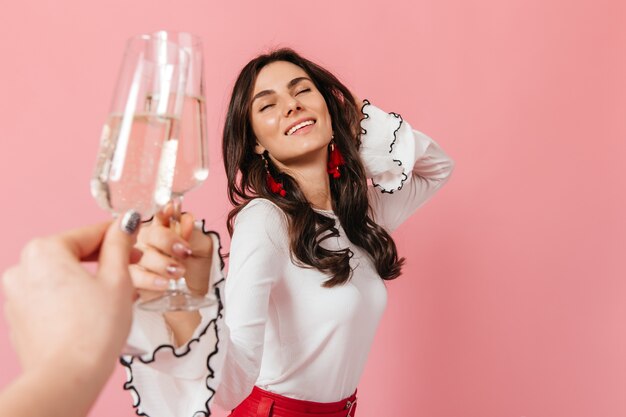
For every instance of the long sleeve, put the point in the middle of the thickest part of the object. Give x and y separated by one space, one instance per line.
258 256
406 166
178 382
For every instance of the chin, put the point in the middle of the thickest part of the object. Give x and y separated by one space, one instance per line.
315 144
309 151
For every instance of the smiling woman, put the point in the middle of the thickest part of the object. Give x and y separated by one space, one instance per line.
273 94
310 249
308 118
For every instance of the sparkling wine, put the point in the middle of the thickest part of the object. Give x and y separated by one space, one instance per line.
135 166
192 165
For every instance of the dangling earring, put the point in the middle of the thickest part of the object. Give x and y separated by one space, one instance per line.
335 160
275 187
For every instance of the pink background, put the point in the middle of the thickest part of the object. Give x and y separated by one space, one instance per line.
513 302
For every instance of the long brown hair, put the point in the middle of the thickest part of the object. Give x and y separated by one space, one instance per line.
307 228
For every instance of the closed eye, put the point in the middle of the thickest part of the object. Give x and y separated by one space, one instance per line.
265 107
304 91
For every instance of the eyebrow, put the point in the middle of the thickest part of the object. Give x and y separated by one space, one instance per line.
290 85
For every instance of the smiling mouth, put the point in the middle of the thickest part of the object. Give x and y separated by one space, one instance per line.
299 126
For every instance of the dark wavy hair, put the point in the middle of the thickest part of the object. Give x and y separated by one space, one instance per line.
307 228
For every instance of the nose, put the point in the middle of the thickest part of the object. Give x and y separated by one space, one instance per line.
292 106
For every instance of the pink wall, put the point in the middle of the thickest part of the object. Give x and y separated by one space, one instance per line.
514 300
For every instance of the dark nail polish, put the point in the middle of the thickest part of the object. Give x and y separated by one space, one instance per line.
130 222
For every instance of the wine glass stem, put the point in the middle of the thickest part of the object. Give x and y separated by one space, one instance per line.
177 203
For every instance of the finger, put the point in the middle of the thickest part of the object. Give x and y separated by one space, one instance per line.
84 242
166 241
163 216
147 295
135 255
201 244
146 280
186 225
116 248
10 281
158 263
8 313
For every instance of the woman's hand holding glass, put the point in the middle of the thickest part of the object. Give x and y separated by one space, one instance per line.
168 255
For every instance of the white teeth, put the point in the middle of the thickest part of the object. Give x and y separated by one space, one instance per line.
299 126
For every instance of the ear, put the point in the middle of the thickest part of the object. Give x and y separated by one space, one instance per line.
258 148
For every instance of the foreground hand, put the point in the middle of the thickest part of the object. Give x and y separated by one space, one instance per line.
57 309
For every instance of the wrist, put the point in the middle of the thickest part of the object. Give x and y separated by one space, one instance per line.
182 325
63 387
78 360
66 376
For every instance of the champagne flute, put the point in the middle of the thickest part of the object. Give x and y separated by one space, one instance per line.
191 167
134 168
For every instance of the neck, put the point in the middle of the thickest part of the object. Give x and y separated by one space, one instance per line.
313 180
315 185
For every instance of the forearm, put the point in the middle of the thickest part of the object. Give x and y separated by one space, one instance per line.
182 325
58 390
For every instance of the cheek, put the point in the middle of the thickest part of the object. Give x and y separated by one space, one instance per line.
322 110
265 128
270 123
327 121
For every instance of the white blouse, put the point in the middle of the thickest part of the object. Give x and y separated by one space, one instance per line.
276 326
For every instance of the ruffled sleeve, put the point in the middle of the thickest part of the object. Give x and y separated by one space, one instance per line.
258 257
406 166
178 382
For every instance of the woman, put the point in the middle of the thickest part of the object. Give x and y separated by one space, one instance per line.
310 250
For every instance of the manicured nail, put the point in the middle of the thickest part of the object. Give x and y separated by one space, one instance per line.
161 282
181 250
136 255
177 271
130 222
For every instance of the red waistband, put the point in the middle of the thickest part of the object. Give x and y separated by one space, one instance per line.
271 404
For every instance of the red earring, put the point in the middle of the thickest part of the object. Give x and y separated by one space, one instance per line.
335 160
275 187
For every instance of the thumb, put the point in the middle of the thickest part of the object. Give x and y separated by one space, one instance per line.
116 248
163 216
186 226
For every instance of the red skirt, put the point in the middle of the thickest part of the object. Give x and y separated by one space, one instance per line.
261 403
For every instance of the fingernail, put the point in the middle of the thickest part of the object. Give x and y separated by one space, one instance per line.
161 282
181 250
175 270
136 255
198 225
130 222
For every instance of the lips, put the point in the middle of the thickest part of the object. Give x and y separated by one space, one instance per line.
294 127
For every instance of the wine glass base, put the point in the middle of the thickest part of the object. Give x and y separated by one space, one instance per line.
177 301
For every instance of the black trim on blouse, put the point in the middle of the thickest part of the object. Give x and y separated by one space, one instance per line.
127 361
393 142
